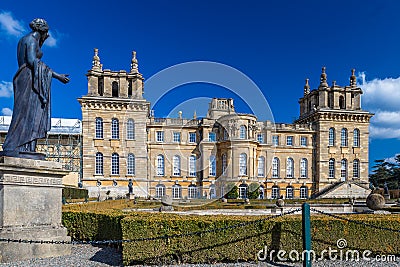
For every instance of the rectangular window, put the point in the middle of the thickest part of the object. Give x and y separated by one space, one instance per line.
303 141
212 166
211 137
177 137
160 136
275 140
192 137
260 138
289 140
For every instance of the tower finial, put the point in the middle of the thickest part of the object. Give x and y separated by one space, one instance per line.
353 78
323 82
306 88
194 115
134 63
96 65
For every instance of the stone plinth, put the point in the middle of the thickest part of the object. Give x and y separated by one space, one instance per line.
30 208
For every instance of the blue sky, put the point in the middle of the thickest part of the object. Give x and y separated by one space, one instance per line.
277 44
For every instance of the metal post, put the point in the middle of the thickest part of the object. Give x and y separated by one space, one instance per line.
306 235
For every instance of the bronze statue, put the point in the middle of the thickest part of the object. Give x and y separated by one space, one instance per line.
31 118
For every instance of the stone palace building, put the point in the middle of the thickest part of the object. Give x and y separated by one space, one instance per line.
323 153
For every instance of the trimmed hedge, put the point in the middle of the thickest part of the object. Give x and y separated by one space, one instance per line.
242 244
236 243
74 193
93 226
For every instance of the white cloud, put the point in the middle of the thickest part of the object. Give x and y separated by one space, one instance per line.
6 111
392 159
10 25
382 97
51 41
6 89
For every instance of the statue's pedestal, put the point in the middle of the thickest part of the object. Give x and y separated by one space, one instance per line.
30 209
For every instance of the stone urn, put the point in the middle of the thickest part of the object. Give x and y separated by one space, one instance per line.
280 203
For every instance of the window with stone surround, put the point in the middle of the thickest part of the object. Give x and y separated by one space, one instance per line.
242 132
356 168
289 168
212 166
160 165
130 129
192 166
275 193
303 192
331 168
176 191
176 164
261 166
159 136
275 140
114 164
192 137
243 191
160 190
343 170
131 164
275 168
289 192
303 168
99 128
344 138
224 163
114 128
331 137
99 164
177 137
289 140
192 191
260 138
243 164
356 138
303 141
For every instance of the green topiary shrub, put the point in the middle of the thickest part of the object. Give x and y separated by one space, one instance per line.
253 191
233 193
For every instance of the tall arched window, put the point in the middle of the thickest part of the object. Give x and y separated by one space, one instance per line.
344 139
192 165
224 163
192 191
131 164
275 193
176 162
212 166
289 168
331 137
356 138
176 191
114 128
303 168
331 168
356 168
242 132
160 165
304 192
261 166
275 168
243 164
160 190
130 129
343 170
99 128
115 89
99 163
289 192
114 164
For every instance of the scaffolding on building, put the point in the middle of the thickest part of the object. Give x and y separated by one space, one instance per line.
63 142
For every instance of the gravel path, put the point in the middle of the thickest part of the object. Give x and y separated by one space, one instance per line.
91 256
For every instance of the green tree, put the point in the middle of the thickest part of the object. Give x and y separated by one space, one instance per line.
384 171
233 193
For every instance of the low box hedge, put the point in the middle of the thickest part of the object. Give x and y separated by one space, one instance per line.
74 193
229 238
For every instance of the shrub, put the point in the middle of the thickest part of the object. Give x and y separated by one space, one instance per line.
233 193
253 191
74 193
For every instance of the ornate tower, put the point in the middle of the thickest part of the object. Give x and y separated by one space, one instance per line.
340 160
114 116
